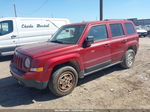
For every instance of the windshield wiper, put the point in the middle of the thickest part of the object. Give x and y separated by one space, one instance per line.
56 41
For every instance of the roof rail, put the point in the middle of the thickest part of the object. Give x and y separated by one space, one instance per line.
114 19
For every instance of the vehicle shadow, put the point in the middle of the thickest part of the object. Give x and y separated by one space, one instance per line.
99 74
5 58
13 94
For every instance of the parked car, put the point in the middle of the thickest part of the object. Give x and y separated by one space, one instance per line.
16 32
75 51
142 32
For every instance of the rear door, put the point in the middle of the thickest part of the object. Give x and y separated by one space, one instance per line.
118 41
98 54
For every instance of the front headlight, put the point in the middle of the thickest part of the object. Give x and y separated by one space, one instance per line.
27 63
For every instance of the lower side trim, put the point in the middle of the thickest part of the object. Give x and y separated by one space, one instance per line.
104 67
95 67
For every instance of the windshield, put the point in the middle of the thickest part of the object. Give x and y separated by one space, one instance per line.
6 27
68 34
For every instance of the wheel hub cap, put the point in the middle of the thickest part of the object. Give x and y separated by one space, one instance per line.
66 81
130 59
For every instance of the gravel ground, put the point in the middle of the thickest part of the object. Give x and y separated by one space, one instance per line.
112 88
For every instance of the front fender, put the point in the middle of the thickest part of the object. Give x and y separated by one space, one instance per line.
51 63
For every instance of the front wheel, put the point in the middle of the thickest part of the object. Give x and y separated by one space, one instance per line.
128 59
63 81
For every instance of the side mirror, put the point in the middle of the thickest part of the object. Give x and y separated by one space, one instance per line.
89 40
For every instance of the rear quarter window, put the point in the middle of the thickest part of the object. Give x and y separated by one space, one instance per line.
129 28
116 30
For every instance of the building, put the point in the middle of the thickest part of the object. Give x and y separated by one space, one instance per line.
141 22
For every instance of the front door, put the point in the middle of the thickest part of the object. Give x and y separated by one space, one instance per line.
98 54
8 39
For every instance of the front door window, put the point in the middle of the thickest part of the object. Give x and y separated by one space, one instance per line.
6 27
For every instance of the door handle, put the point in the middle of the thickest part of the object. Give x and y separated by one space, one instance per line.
106 45
13 36
123 41
92 51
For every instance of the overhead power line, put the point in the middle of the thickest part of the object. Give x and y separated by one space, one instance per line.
36 10
42 5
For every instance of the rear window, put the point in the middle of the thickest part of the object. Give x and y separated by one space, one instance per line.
116 30
129 28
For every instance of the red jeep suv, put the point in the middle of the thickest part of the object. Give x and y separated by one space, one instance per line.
75 51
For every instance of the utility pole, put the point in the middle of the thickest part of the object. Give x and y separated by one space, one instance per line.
15 10
101 10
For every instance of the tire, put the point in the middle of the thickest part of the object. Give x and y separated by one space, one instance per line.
61 79
128 59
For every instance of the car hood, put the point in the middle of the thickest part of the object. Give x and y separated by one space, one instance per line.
40 49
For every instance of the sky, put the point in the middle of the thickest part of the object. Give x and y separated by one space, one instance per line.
76 10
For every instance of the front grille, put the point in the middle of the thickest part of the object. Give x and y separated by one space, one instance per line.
18 60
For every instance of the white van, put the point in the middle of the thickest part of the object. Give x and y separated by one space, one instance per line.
16 32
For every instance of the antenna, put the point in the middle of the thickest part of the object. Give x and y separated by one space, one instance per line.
15 12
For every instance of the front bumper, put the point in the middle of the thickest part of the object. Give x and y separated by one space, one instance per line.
21 78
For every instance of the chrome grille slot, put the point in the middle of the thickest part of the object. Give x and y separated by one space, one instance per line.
18 60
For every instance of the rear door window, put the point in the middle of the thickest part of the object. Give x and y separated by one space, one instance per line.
99 32
6 27
129 28
116 30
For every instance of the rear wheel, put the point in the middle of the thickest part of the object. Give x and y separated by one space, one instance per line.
63 81
128 59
